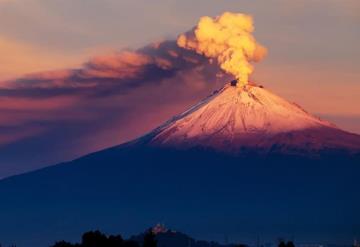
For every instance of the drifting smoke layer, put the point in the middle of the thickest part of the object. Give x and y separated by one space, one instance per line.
65 113
227 38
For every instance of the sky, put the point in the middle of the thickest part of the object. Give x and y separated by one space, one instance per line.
78 76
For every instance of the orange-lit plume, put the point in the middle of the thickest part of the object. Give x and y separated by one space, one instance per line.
227 38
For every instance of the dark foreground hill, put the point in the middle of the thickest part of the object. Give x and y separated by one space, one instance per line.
207 194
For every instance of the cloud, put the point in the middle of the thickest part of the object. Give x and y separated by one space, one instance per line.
109 99
112 74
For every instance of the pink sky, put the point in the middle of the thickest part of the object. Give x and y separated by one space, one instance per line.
312 60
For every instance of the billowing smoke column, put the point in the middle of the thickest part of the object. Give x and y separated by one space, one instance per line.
228 39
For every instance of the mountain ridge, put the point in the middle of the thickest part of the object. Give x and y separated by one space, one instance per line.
235 119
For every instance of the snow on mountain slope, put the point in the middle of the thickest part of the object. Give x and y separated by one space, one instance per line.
236 118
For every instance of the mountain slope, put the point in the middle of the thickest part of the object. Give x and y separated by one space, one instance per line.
239 119
201 171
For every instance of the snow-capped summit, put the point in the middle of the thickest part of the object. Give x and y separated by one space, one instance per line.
235 119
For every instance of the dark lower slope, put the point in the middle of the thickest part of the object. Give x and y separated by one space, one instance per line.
310 142
125 189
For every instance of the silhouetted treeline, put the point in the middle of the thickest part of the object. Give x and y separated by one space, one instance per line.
167 238
148 239
98 239
282 243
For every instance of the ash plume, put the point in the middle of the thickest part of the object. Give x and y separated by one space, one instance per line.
228 39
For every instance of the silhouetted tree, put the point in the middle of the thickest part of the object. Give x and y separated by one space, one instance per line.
130 243
290 244
282 243
63 244
98 239
94 239
287 244
115 241
149 239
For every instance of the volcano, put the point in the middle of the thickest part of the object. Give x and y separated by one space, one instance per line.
250 119
243 162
